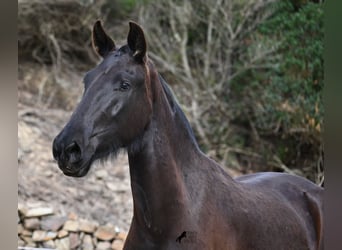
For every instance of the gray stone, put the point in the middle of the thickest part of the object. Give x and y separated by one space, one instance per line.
49 244
106 232
87 226
38 212
74 240
39 235
111 186
62 233
87 242
28 240
63 244
95 241
72 216
50 235
22 209
71 225
52 223
21 243
104 245
32 223
121 236
20 228
117 244
26 232
101 174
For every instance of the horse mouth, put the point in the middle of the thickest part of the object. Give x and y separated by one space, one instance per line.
75 170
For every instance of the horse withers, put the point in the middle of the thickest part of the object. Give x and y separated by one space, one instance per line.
182 199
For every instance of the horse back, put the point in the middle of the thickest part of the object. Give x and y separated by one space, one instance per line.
301 195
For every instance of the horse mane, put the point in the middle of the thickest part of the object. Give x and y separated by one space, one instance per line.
178 112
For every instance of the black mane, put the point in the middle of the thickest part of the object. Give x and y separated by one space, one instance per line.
177 109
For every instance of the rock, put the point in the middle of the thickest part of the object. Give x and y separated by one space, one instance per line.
74 240
104 245
87 243
95 188
111 186
32 223
28 240
39 235
38 212
63 244
121 236
21 243
72 216
95 241
27 136
87 226
75 234
26 232
49 244
20 228
117 187
48 173
62 233
106 232
117 244
101 174
50 236
31 244
53 223
71 225
22 209
71 191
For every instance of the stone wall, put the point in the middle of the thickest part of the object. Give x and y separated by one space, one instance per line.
40 227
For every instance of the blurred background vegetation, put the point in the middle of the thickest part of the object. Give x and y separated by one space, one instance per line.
248 73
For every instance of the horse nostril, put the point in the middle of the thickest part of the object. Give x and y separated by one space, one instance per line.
73 150
71 147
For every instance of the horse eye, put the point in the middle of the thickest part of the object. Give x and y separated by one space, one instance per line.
124 86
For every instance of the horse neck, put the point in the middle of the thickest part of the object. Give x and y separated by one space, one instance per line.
158 170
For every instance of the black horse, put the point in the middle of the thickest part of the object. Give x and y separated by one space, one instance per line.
182 199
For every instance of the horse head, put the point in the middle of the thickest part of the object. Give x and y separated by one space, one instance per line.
116 104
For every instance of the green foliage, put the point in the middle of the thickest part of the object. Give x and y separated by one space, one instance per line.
118 9
128 5
285 102
294 91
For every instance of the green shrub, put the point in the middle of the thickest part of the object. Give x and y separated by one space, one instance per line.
285 102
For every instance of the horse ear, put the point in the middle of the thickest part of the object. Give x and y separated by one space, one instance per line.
136 41
102 43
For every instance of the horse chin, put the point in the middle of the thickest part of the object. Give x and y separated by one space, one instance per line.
80 171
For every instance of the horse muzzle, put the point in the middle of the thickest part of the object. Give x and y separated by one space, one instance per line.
69 158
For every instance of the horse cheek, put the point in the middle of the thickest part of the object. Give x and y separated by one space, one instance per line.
115 110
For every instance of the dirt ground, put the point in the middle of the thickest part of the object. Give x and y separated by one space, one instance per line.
104 195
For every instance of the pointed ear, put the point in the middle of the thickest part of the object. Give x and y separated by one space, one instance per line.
136 42
102 43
